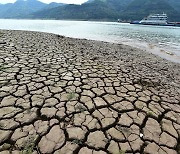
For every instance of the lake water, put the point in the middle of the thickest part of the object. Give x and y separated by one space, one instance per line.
163 41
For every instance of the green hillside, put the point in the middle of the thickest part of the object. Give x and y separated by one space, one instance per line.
127 10
22 8
141 8
118 5
175 4
111 10
95 10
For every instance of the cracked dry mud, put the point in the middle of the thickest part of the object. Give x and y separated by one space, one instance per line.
62 95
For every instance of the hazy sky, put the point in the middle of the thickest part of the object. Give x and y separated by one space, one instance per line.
48 1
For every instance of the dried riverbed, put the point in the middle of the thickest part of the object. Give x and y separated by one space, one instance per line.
62 95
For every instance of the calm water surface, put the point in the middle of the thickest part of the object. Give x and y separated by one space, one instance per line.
163 41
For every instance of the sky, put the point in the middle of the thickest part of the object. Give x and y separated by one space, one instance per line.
49 1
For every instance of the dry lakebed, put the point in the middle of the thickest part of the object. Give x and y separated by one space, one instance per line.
63 95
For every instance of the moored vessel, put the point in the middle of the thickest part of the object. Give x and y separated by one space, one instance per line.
156 19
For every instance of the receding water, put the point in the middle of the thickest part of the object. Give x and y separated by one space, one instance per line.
163 41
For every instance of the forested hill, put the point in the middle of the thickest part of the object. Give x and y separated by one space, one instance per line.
23 8
94 10
141 8
127 10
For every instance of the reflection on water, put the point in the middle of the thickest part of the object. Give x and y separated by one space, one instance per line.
164 41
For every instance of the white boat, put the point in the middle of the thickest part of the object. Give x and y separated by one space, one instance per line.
155 19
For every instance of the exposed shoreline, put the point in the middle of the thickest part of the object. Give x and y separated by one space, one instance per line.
67 95
169 52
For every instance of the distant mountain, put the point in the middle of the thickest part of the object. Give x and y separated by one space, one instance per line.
92 9
96 10
115 4
23 8
175 4
89 1
53 5
4 9
138 9
20 8
118 5
111 10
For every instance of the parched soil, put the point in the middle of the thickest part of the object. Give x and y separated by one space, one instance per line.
62 95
